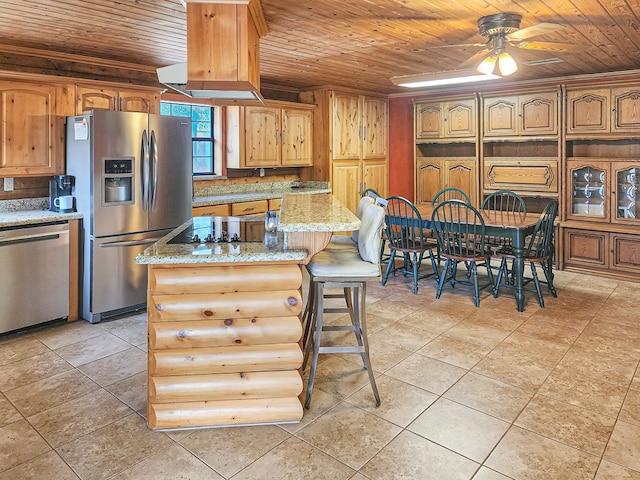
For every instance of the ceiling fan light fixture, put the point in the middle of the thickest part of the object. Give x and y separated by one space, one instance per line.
488 65
506 64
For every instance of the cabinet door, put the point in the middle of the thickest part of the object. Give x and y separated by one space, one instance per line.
584 248
249 208
460 119
588 191
296 138
429 180
625 116
429 120
31 135
211 211
626 252
131 101
625 192
346 183
588 111
346 133
538 114
500 116
374 127
462 174
262 137
374 175
521 174
93 98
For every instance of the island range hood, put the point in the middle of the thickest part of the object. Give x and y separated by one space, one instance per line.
223 52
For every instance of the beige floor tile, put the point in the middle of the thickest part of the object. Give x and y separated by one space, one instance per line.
73 419
50 392
20 348
490 396
573 426
321 402
68 333
587 392
487 474
383 354
608 365
515 370
376 323
536 349
464 430
8 413
339 377
229 450
410 456
624 447
390 310
611 471
481 332
173 463
45 466
132 390
435 321
19 443
400 403
630 412
294 460
113 448
541 329
91 349
130 328
456 352
427 373
407 336
115 367
525 455
31 370
338 430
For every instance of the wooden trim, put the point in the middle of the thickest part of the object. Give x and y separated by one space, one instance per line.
74 270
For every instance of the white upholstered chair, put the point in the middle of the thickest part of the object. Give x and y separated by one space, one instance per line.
349 270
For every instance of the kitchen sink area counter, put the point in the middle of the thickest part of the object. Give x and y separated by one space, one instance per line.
224 311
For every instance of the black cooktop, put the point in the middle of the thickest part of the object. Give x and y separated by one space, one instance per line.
222 230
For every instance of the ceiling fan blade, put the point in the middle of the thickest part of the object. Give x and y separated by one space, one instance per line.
459 45
471 61
549 46
534 30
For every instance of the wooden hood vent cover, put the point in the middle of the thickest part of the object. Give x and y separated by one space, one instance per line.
223 52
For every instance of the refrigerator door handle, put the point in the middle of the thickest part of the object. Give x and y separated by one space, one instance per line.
144 167
130 243
153 159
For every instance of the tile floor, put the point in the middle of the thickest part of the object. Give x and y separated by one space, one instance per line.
467 393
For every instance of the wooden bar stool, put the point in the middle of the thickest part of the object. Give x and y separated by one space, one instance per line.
350 271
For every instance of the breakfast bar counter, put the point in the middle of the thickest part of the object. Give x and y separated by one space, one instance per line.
224 315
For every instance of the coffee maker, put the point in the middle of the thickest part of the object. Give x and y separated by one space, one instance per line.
61 186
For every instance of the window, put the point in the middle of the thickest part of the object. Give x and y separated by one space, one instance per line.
202 133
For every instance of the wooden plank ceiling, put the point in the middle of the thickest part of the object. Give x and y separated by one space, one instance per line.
356 44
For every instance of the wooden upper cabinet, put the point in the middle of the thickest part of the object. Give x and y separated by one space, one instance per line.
446 120
262 140
521 115
626 110
271 136
374 127
588 111
32 135
434 174
296 137
96 98
359 127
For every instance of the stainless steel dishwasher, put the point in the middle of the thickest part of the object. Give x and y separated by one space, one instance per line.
34 268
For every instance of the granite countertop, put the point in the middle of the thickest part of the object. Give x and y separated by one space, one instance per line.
31 211
250 193
299 213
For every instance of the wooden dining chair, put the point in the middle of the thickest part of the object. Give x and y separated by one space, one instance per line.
450 193
460 232
405 237
503 201
539 250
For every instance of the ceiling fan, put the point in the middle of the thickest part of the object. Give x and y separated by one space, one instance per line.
503 31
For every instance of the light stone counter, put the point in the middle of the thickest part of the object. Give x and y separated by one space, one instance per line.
249 193
34 217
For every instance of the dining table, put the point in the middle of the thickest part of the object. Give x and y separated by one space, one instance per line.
514 225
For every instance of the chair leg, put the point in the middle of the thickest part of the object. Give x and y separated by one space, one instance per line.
501 271
308 317
476 290
536 283
415 263
355 320
363 325
443 277
390 266
487 262
434 266
549 276
316 344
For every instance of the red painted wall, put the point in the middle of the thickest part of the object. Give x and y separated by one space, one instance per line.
401 147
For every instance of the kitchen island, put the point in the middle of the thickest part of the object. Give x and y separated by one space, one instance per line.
224 316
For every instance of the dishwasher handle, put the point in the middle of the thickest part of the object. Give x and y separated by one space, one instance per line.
130 243
29 238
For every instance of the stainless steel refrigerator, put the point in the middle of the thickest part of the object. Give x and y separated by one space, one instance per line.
133 185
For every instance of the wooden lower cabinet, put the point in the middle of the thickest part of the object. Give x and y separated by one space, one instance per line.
212 211
521 174
249 208
610 252
224 344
